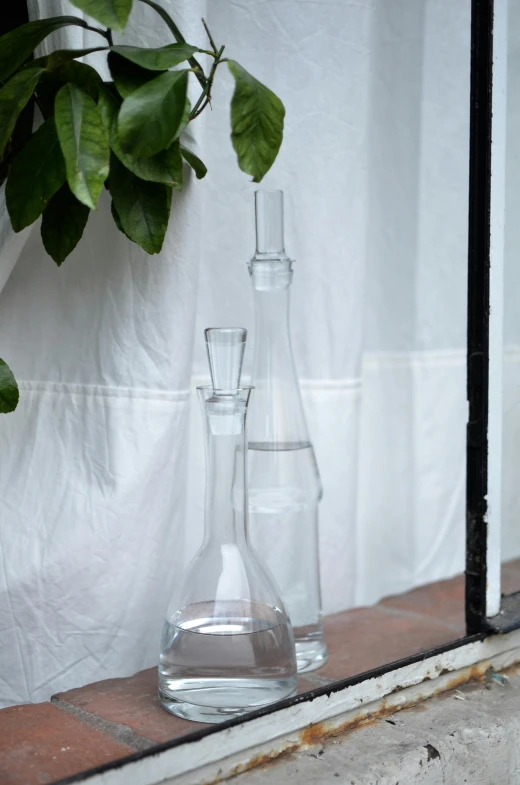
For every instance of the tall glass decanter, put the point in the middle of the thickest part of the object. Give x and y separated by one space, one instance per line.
284 483
227 644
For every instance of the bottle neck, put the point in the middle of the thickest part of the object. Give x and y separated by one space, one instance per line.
226 495
271 290
276 418
272 326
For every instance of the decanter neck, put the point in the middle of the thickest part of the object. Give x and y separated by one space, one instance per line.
226 490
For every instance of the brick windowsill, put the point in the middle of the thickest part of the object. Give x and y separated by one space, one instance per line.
98 723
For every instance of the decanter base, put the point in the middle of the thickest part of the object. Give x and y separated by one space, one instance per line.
252 694
311 653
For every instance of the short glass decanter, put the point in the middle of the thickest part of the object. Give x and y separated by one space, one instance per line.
284 483
227 645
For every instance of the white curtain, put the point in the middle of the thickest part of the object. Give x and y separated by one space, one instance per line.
101 487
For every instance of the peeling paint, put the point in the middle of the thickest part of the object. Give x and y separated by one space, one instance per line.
432 752
257 760
318 732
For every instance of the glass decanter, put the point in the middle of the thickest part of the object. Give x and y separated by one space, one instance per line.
227 644
283 479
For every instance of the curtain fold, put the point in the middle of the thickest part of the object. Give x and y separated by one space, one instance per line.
93 492
101 489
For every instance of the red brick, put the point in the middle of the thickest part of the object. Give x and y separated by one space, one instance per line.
366 638
514 564
133 702
40 744
443 600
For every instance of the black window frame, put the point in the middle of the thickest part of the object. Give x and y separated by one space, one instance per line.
479 265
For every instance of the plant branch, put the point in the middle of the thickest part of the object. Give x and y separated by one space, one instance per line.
205 96
197 68
212 42
96 30
108 36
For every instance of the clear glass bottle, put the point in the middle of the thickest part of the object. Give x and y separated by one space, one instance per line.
284 483
227 644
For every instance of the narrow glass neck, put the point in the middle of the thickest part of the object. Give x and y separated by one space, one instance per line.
272 317
271 291
276 416
269 224
226 495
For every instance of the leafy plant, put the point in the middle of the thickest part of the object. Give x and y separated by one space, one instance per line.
124 135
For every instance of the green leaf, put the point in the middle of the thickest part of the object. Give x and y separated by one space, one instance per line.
21 134
63 72
9 393
126 75
151 116
13 97
37 172
63 223
257 116
196 164
165 167
143 208
48 87
185 117
18 45
112 13
117 219
109 105
80 74
84 142
61 56
157 59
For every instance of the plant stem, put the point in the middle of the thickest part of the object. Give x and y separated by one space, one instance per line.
212 42
96 30
109 36
197 69
205 96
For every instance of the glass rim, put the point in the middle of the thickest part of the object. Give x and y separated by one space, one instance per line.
268 190
242 388
225 330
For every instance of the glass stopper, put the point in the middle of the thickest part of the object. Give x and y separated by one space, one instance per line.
225 347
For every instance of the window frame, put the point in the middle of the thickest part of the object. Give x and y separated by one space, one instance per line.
487 610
